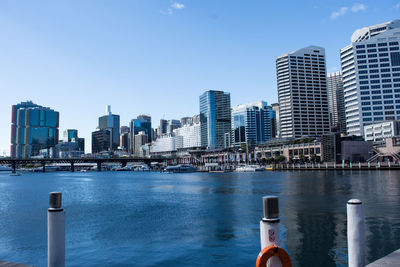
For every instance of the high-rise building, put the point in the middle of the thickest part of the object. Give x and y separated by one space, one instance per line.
188 136
251 123
371 76
336 102
141 123
101 141
70 134
33 128
110 122
303 93
162 129
172 125
140 140
124 138
276 128
215 118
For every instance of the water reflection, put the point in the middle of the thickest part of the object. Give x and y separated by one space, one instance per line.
116 219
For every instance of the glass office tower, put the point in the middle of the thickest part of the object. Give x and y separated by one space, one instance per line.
33 128
141 124
215 118
252 123
110 122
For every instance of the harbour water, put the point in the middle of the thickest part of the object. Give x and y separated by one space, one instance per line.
207 219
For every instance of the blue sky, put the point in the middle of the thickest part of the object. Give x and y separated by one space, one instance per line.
157 56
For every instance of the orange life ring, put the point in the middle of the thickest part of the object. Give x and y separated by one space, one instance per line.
270 251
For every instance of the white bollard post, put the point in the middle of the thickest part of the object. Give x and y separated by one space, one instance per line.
379 164
350 165
269 227
334 165
55 232
355 233
326 165
389 164
319 165
359 165
342 164
369 165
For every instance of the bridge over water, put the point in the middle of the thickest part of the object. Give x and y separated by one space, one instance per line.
15 162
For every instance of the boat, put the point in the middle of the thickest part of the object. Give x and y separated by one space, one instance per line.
249 168
181 168
15 174
269 168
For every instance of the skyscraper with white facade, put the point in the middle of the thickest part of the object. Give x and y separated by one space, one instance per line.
371 76
302 93
336 101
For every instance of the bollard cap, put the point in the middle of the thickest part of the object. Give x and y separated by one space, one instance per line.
55 200
271 207
354 201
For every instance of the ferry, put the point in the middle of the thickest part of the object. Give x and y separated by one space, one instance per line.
182 168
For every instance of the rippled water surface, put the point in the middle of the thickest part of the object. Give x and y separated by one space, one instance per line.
147 219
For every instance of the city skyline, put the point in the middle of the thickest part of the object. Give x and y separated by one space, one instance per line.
128 55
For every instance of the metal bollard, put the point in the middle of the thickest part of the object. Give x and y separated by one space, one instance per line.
355 233
55 231
269 227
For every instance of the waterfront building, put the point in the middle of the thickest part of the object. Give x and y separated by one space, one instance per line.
165 145
379 131
188 136
110 122
33 128
276 126
215 118
252 123
101 141
336 102
302 93
141 124
140 139
69 149
371 76
387 149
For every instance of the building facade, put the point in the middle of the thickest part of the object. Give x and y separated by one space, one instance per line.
371 76
252 124
33 128
276 129
215 118
188 136
336 102
101 141
140 139
379 131
303 93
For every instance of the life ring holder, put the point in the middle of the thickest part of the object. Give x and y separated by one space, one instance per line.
270 251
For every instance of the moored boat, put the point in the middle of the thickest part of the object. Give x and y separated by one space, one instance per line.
181 168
